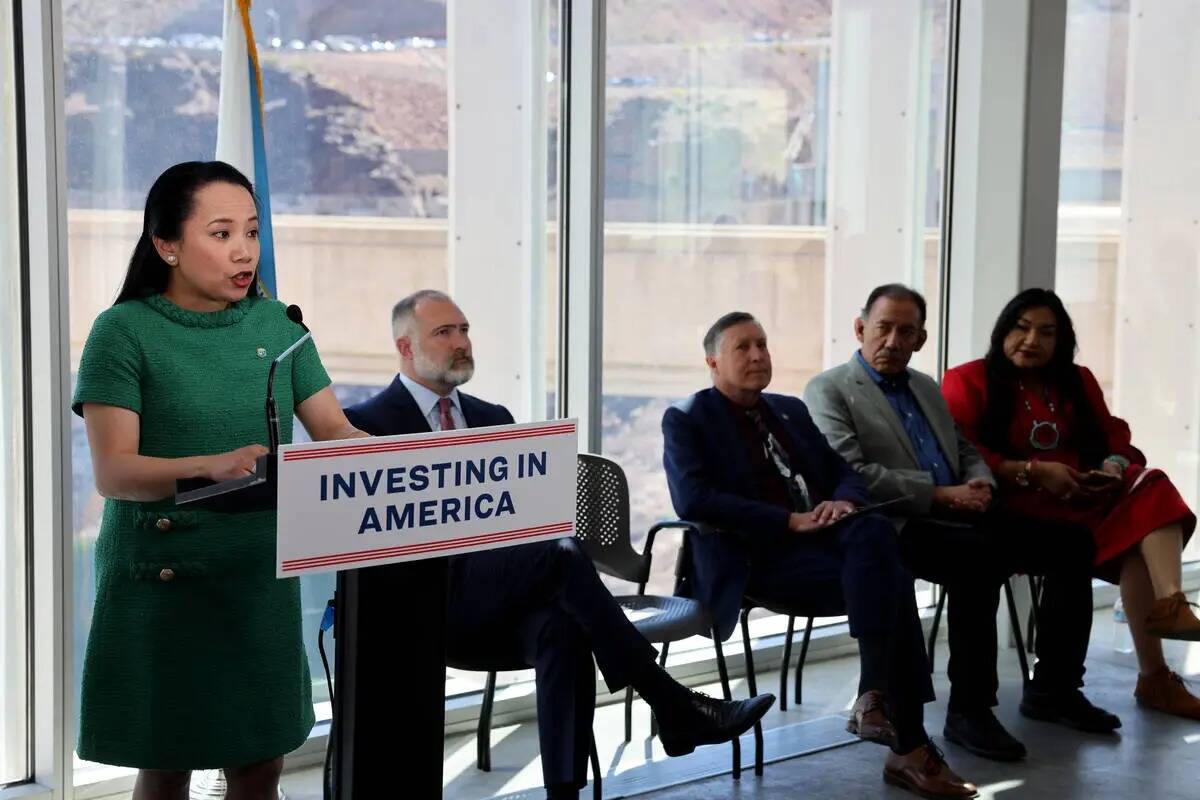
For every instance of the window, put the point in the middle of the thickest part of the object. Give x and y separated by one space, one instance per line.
357 130
783 163
356 126
1128 216
14 636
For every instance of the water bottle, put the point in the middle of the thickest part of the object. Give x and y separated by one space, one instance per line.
1122 641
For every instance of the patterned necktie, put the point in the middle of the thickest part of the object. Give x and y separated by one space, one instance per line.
796 487
447 419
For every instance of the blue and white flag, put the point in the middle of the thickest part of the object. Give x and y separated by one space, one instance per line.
240 138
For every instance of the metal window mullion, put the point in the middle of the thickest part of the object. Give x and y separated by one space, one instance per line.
52 678
1045 61
954 12
581 216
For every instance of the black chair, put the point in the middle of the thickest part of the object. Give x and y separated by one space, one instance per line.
1035 587
1036 584
603 529
833 608
785 662
683 578
810 615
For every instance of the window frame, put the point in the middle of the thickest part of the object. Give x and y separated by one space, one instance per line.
580 264
23 568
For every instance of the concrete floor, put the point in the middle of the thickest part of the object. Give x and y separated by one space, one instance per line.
1154 756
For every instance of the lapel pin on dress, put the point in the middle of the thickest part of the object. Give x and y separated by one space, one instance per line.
261 352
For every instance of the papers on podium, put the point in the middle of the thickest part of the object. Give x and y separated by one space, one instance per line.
362 502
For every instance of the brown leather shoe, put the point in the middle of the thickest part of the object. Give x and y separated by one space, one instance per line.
1172 618
869 721
926 772
1165 691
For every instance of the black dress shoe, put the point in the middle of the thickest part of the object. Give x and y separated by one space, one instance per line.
1068 708
982 734
706 720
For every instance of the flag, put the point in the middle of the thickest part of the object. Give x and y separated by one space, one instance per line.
240 138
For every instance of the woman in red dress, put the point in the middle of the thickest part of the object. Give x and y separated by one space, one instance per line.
1041 422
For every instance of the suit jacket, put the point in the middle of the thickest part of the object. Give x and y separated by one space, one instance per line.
710 478
394 411
853 413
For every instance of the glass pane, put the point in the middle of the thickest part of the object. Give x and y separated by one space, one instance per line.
553 90
1128 215
356 128
465 681
733 182
14 638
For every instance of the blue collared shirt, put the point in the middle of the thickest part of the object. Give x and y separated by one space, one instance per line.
902 400
427 401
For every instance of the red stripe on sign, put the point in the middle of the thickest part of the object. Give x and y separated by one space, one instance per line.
422 547
403 549
388 552
335 452
432 548
442 441
416 546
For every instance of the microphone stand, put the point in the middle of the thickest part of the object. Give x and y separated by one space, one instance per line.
256 491
271 410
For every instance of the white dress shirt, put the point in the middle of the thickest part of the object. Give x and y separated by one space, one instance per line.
427 401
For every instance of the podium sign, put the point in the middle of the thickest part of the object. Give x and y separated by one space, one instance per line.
358 503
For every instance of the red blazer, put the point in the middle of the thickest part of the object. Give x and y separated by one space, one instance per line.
965 390
1118 523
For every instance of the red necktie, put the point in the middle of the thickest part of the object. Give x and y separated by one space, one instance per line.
444 406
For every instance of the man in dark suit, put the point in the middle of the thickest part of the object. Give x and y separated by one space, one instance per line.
542 603
755 467
893 426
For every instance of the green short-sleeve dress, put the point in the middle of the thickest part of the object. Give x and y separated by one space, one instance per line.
195 657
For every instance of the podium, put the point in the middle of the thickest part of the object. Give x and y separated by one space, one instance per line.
386 513
389 696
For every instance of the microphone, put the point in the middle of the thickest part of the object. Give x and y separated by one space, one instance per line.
296 316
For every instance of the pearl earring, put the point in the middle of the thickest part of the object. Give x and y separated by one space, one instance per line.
171 260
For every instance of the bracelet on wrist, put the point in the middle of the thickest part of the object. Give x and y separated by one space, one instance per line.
1024 476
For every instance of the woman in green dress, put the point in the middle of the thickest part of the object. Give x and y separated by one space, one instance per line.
195 657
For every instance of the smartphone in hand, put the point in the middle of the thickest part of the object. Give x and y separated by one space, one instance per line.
1098 480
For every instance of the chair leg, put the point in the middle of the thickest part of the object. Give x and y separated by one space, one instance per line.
1015 620
786 663
752 683
662 662
803 657
724 671
597 778
628 713
1035 603
937 621
483 738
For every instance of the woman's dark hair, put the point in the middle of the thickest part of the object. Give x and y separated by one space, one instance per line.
1060 372
168 204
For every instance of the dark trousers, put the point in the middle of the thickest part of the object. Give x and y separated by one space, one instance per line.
542 605
854 566
971 560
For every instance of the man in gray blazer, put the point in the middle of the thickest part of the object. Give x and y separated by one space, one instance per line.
892 424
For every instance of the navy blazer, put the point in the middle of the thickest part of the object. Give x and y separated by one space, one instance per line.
394 411
709 475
